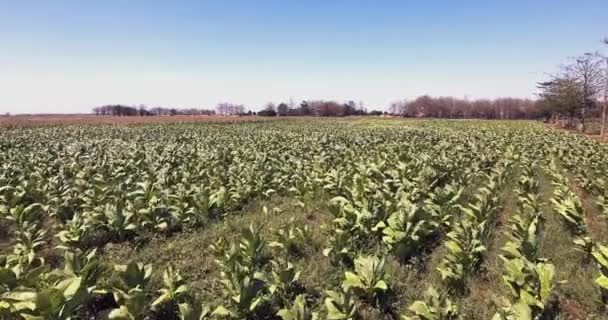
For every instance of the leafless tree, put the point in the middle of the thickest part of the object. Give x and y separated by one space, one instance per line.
586 71
560 99
450 107
605 80
361 106
229 109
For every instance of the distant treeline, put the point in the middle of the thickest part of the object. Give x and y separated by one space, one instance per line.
122 110
421 107
450 107
317 108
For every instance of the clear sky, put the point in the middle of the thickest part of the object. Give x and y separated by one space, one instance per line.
69 56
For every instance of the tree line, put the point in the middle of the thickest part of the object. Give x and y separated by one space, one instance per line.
123 110
577 91
449 107
315 108
423 106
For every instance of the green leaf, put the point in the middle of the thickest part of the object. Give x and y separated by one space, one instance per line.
381 285
546 272
333 313
421 309
221 311
351 280
120 314
522 311
185 311
602 281
162 299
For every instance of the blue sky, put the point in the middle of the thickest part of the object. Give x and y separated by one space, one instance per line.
69 56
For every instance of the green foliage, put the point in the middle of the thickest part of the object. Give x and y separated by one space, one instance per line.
251 246
568 205
75 233
407 228
341 305
56 302
130 294
517 311
528 282
464 247
368 279
87 266
246 292
397 187
586 245
298 311
291 239
118 222
341 248
600 255
524 233
245 284
67 291
188 311
27 244
284 277
435 306
24 216
174 287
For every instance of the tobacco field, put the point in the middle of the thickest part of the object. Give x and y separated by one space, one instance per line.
302 219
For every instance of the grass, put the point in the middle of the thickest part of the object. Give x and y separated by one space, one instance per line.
579 297
190 252
487 284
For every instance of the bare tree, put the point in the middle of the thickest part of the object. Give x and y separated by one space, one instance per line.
229 109
501 108
361 106
586 71
560 99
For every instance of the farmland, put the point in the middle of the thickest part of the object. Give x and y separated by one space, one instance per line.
302 219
